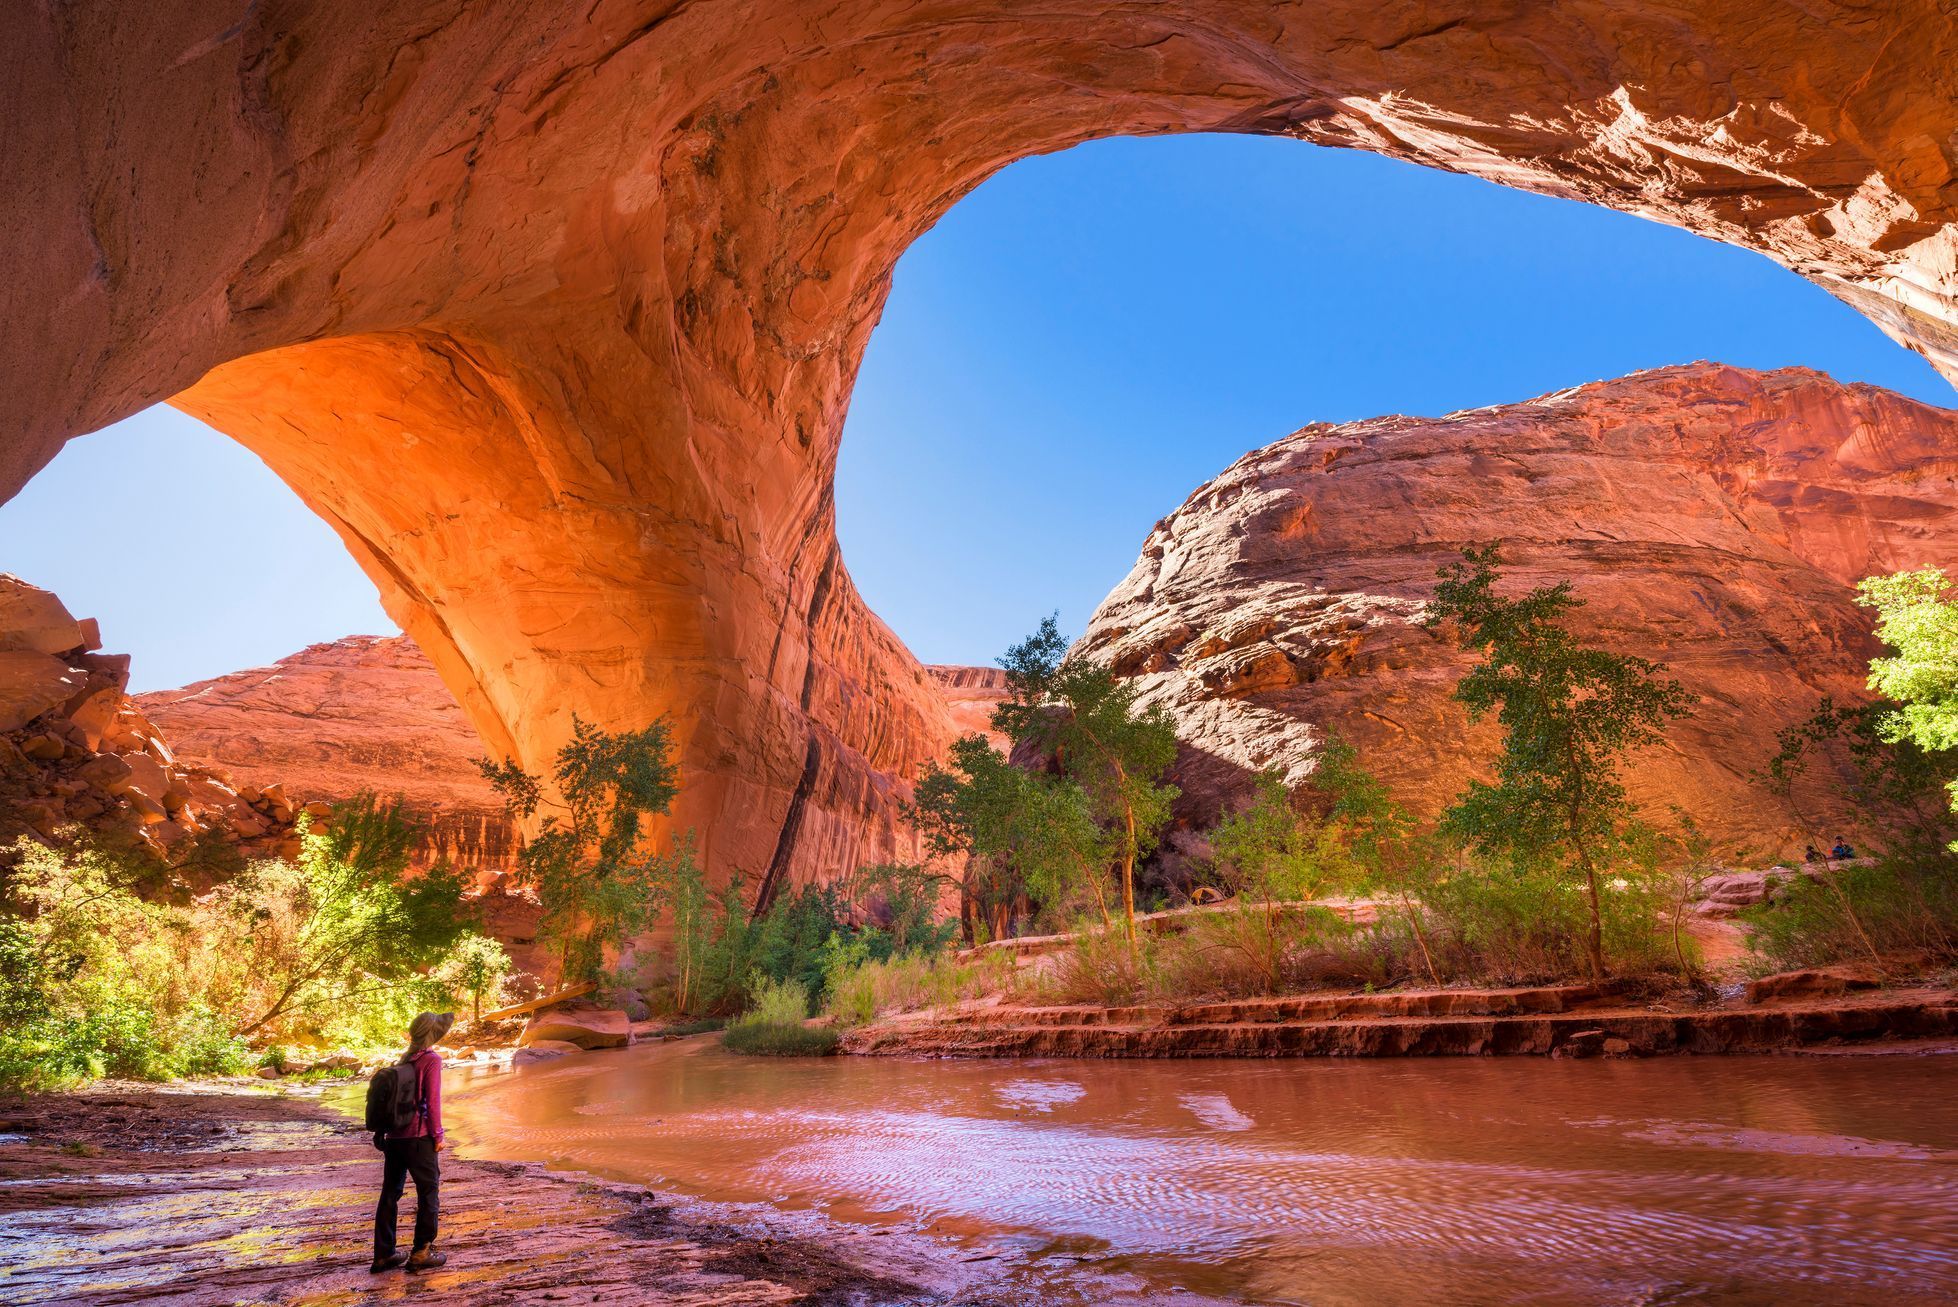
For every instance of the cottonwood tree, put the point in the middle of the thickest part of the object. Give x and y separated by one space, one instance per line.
1084 717
1023 834
1099 807
1390 854
1917 615
1570 713
596 879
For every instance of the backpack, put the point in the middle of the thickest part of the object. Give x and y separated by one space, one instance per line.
394 1098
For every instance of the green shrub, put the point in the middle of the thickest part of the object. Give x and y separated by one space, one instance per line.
1904 902
774 1025
756 1039
862 989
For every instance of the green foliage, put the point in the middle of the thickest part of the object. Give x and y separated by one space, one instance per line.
1267 855
1891 774
1570 713
97 980
342 920
1918 617
1905 902
598 884
1100 807
774 1024
476 969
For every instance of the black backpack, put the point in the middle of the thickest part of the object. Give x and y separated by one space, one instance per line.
394 1098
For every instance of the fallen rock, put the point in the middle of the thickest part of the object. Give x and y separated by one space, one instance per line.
587 1028
33 620
31 683
544 1050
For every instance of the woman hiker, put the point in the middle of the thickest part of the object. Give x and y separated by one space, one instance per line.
411 1152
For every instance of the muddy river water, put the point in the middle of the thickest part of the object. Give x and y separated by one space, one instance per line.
1786 1180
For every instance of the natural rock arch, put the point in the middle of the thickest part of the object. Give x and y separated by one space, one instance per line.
554 312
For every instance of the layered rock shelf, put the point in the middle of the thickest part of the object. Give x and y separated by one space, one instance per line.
1563 1021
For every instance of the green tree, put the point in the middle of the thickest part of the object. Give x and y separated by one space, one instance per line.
477 966
343 920
1024 834
1272 858
1917 616
1390 854
1570 714
1084 717
596 879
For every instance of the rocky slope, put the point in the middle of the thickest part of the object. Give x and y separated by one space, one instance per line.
1712 517
553 312
76 752
366 713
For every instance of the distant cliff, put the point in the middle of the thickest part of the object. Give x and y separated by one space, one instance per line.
362 713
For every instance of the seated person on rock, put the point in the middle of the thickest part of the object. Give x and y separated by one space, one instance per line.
1842 850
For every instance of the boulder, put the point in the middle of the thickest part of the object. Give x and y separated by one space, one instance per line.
543 1050
33 620
31 683
1815 982
587 1028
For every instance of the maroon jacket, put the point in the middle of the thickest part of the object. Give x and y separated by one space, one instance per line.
428 1072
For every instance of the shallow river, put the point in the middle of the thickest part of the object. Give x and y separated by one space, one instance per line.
1678 1180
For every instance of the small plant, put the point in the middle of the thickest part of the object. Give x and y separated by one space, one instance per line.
774 1026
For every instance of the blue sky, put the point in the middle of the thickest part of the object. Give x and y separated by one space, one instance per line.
1072 350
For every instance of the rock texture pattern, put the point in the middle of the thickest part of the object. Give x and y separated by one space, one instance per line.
367 713
1716 518
553 311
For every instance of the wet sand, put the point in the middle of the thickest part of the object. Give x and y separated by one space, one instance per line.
221 1196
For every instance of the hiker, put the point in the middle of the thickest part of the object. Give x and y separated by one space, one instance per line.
1841 851
410 1151
1812 855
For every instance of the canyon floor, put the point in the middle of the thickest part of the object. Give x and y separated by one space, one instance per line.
199 1195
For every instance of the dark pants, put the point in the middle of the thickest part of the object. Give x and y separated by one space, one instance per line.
406 1157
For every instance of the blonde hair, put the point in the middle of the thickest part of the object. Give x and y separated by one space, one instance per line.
426 1031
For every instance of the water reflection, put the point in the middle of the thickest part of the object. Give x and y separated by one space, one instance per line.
1767 1180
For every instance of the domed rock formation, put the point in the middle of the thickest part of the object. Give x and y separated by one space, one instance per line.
553 311
367 713
1714 518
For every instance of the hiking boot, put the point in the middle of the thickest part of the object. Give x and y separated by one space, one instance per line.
425 1259
387 1263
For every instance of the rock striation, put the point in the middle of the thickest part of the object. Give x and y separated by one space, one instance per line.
971 694
366 713
76 752
1715 518
553 312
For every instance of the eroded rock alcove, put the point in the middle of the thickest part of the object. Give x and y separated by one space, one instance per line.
554 311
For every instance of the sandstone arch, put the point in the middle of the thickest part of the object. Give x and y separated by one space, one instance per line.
554 312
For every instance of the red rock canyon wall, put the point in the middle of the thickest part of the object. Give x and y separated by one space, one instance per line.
553 311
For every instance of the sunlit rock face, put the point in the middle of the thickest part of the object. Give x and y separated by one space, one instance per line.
553 311
1710 517
363 714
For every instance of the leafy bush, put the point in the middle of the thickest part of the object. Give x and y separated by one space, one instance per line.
1904 902
97 981
774 1025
